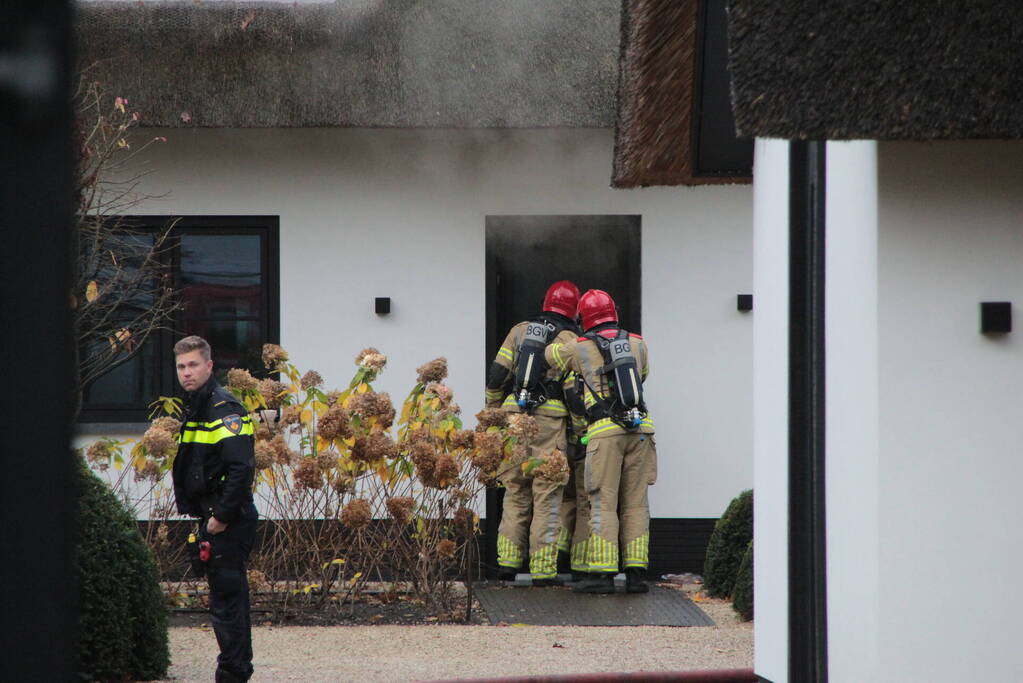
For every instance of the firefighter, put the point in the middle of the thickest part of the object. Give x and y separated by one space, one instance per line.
574 506
520 380
621 459
213 474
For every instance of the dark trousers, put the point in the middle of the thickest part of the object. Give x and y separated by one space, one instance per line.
229 595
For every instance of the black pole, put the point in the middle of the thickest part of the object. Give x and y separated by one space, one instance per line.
36 500
808 653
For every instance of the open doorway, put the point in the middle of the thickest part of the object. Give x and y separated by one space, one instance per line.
525 254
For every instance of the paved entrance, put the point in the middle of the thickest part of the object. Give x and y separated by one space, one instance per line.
559 606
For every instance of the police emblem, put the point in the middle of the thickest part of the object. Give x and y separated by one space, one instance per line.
233 423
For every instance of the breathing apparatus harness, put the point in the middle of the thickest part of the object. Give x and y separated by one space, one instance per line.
625 407
531 390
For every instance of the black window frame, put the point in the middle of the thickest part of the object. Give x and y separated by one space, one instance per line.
266 226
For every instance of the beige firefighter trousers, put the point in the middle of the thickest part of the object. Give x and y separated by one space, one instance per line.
619 468
575 511
530 520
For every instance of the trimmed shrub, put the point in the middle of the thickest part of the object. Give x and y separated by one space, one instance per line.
742 594
728 542
122 620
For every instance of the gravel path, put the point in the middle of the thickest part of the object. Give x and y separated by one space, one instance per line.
420 653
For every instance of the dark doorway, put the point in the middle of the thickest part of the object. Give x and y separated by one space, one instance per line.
525 254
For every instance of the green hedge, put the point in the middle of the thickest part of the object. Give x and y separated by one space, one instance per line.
742 594
728 542
122 624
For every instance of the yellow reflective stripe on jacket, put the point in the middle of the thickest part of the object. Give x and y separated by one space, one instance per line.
493 394
551 406
212 432
505 352
606 425
562 363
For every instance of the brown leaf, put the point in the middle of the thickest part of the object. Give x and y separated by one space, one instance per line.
91 291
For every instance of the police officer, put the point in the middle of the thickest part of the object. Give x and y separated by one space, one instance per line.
621 459
520 380
213 474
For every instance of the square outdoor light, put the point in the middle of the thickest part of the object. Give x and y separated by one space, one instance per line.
995 317
383 305
744 302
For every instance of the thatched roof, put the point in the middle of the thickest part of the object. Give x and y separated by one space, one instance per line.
656 141
944 69
440 63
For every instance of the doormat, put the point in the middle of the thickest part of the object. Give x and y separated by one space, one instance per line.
559 606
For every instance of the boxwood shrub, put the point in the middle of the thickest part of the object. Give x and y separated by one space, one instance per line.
742 594
122 624
732 533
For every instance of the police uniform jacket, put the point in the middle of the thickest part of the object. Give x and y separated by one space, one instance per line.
215 465
582 356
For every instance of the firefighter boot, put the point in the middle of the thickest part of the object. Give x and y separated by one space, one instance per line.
635 580
596 583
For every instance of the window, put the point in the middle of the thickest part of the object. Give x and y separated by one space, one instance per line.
226 272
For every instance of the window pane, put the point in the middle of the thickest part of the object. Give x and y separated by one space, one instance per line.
132 384
221 276
235 344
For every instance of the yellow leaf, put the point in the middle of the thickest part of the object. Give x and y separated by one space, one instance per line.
307 416
363 388
338 560
383 473
355 578
92 292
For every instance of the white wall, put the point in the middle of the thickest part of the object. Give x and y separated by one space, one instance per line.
951 428
400 213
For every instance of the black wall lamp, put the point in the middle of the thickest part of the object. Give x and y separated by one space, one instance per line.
383 305
995 317
744 302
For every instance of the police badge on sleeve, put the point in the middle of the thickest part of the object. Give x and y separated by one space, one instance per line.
233 423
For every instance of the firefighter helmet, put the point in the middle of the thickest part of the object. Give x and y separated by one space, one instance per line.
596 306
562 297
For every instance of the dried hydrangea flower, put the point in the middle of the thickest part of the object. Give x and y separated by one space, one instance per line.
307 474
335 423
523 427
310 379
491 443
446 548
445 471
167 424
326 461
440 390
486 462
463 438
553 469
272 391
272 355
265 455
434 371
333 397
372 359
374 448
158 443
99 452
400 508
282 453
242 379
150 471
357 514
519 454
491 417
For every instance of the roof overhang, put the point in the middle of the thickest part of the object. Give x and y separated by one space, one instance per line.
365 63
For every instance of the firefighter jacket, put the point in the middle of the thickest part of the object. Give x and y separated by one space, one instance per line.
582 356
215 464
500 384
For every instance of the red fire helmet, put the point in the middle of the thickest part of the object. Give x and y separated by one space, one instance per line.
562 297
596 306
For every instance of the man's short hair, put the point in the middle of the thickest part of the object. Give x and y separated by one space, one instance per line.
192 343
